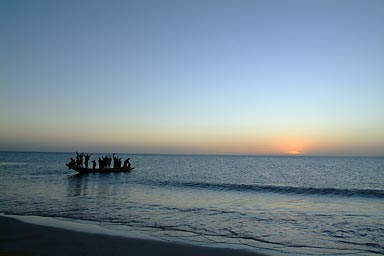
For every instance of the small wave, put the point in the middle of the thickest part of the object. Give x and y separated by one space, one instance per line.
369 193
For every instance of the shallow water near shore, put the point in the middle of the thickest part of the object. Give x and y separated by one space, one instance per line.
280 205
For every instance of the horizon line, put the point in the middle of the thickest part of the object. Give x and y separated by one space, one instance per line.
194 154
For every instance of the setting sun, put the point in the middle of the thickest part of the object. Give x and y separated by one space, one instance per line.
294 152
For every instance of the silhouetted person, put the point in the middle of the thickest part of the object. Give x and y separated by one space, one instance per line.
79 159
94 164
72 162
86 159
127 163
105 161
100 163
109 161
114 160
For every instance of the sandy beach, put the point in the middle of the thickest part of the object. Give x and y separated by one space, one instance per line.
19 238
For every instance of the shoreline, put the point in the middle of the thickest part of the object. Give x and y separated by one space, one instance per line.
21 238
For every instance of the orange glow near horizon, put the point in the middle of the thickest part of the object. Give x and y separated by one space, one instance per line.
292 143
225 144
295 152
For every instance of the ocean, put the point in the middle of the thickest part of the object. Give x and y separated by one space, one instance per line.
273 204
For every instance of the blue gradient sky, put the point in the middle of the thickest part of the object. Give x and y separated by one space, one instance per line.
242 77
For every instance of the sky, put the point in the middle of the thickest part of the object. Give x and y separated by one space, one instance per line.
269 77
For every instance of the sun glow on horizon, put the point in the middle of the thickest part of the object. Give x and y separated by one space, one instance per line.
294 152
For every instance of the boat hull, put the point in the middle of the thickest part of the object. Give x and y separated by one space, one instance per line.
103 170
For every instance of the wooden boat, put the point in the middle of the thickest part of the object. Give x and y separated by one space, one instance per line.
80 169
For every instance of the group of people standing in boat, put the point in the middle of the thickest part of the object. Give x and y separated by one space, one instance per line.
82 160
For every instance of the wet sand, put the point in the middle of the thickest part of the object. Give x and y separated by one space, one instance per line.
19 238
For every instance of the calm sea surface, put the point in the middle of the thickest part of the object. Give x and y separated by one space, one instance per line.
279 205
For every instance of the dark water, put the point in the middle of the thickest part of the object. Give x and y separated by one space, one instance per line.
280 205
